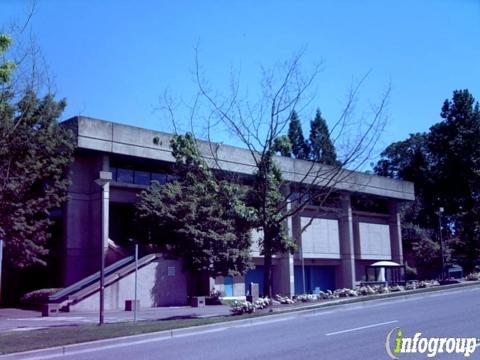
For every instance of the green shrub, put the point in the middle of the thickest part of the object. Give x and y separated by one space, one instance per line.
35 299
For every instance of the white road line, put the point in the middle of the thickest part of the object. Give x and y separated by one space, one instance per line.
264 322
361 328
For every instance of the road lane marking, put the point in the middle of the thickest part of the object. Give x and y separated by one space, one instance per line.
264 322
319 313
361 328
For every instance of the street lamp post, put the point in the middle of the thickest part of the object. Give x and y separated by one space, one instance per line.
103 181
1 267
136 284
440 212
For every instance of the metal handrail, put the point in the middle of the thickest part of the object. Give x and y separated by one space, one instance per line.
112 277
79 285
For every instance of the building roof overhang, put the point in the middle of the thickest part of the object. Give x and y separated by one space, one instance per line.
116 138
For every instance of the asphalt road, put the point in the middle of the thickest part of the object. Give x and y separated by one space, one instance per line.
355 331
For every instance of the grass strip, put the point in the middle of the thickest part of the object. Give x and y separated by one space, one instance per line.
19 341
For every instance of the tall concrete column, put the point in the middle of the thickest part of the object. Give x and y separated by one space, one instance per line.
395 232
347 251
83 218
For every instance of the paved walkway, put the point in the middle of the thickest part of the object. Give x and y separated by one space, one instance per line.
22 320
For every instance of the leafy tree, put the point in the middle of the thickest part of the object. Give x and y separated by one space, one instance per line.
259 127
410 160
6 67
457 169
35 153
267 199
321 146
444 164
198 218
300 148
283 146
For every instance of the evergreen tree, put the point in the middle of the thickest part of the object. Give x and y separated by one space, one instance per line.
300 148
35 153
321 146
444 164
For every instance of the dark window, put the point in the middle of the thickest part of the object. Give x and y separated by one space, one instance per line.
142 177
161 178
125 176
113 170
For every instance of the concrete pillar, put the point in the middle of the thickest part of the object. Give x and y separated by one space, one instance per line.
347 251
83 218
395 232
283 280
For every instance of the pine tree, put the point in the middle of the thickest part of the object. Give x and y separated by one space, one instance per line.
321 146
300 148
444 164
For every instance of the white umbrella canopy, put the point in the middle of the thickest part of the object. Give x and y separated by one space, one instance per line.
385 263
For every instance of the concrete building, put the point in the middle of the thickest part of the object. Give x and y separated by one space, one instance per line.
336 247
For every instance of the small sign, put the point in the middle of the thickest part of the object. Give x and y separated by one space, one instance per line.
171 271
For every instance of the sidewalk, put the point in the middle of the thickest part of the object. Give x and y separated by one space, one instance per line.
22 320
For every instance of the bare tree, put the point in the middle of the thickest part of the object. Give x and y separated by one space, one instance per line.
259 125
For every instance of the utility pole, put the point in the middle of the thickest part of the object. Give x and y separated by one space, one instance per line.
440 212
1 267
136 283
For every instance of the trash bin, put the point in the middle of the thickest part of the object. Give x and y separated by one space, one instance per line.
131 305
198 301
50 309
253 293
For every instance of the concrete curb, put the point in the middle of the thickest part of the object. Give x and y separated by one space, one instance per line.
167 334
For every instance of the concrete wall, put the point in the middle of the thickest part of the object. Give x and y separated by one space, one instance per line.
320 239
339 235
83 219
128 140
238 285
157 286
374 241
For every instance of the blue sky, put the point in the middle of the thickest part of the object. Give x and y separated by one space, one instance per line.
112 59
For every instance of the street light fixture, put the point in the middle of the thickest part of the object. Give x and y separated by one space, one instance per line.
103 181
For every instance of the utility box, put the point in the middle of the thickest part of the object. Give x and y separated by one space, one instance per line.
50 309
198 301
253 293
132 305
455 272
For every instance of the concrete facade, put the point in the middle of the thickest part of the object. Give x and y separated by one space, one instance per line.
340 240
161 283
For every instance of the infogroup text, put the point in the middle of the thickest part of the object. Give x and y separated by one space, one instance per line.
429 346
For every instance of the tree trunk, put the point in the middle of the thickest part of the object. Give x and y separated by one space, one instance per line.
267 263
267 275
